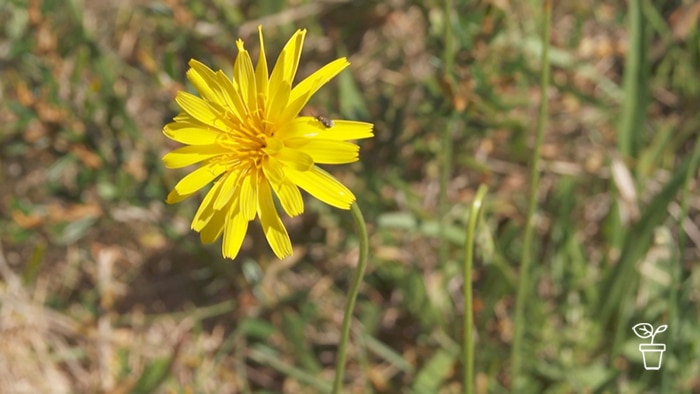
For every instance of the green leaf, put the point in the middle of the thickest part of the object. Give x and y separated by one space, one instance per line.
153 376
294 326
397 220
387 353
637 241
352 102
434 372
256 328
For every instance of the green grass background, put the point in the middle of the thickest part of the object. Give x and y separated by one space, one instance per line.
105 289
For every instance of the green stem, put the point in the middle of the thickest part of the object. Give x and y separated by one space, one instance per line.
526 258
468 343
350 305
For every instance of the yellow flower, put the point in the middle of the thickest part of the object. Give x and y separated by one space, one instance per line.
246 135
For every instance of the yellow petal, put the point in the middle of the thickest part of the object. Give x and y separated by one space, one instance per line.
295 105
324 151
185 118
203 79
201 110
229 186
191 134
310 127
188 155
301 93
278 103
236 228
175 197
289 194
199 178
213 229
290 198
232 97
313 82
206 210
296 159
261 74
248 196
244 75
271 223
349 130
323 186
288 61
273 170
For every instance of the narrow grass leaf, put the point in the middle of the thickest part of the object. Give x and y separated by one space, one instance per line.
434 373
636 243
154 374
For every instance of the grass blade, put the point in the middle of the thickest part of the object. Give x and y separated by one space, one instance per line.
526 258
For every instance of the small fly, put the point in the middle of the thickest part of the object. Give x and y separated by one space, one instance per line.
325 121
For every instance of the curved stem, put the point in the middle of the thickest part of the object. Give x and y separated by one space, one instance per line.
468 343
354 290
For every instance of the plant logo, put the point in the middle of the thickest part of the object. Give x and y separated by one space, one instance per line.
652 353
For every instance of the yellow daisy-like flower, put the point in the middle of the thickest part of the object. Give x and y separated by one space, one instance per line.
246 135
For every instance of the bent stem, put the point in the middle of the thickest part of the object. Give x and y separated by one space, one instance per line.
468 343
350 305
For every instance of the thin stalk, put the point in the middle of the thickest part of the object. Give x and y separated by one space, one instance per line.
467 340
352 297
526 258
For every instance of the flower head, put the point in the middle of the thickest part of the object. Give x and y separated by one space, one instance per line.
247 136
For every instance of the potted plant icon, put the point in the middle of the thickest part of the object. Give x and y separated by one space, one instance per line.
652 353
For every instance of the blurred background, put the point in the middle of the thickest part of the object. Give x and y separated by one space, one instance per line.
104 288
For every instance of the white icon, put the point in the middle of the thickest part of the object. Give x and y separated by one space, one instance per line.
652 353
